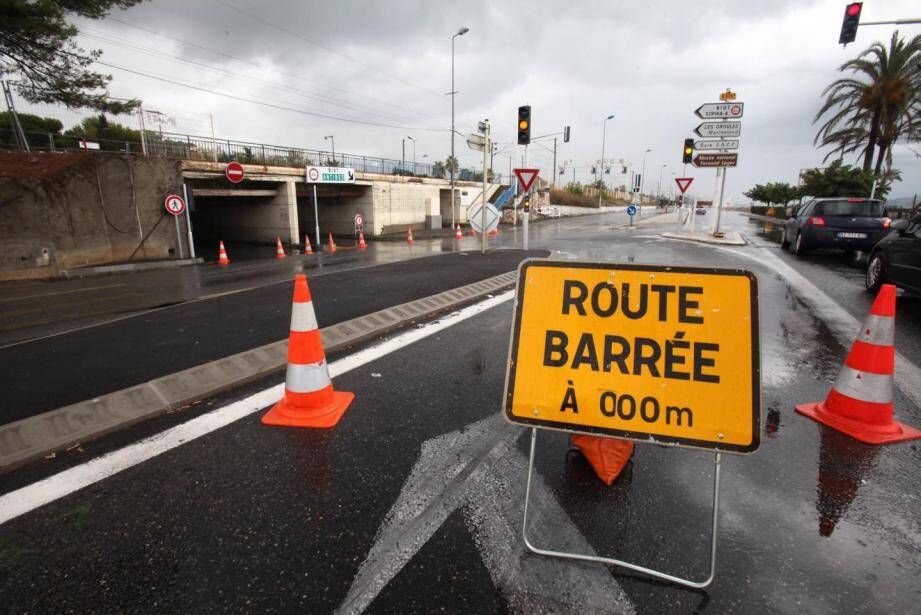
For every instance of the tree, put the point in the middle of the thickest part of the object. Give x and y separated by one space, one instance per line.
843 180
774 193
451 165
36 43
870 111
36 127
99 127
438 169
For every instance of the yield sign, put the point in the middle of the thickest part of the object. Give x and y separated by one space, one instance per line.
526 177
683 183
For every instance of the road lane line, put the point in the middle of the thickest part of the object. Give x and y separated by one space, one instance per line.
60 292
54 487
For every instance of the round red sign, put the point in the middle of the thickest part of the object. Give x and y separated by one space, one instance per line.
174 204
234 172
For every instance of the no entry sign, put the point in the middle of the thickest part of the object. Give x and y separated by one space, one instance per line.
234 172
174 204
637 351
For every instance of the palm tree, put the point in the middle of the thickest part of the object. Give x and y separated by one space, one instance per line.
878 105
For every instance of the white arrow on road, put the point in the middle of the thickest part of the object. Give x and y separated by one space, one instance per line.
481 471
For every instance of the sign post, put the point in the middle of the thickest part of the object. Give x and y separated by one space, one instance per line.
526 179
325 175
175 205
649 353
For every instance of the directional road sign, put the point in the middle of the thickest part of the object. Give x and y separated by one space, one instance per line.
330 175
174 204
526 178
719 111
644 352
631 210
716 160
475 217
234 172
683 183
717 145
719 129
477 142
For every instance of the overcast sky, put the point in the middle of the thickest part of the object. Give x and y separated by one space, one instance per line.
389 62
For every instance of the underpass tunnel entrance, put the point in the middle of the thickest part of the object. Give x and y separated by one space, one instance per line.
247 217
337 205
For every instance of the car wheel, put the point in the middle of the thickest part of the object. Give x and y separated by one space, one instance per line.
875 276
799 247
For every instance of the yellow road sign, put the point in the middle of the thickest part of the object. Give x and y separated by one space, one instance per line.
644 352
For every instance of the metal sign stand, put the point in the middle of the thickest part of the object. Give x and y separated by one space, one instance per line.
616 562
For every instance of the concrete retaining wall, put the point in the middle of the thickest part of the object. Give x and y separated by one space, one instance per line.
59 211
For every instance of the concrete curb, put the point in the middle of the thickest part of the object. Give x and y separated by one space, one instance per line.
87 272
730 239
37 436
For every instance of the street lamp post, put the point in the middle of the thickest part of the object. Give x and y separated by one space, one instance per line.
333 141
604 133
659 187
460 32
643 173
414 154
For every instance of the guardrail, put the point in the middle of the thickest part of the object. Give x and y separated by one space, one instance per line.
192 147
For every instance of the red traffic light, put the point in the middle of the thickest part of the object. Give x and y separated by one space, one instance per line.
854 9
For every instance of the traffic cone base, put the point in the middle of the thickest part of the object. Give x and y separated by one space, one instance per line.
860 402
858 429
285 415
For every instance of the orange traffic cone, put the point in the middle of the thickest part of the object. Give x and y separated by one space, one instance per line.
860 402
361 240
309 400
409 236
607 456
222 254
458 234
279 250
332 244
307 248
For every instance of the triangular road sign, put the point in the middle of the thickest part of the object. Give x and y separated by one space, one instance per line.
526 178
683 183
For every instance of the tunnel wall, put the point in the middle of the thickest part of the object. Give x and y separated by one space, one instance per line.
60 211
256 219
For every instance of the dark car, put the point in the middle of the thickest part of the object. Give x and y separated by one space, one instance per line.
836 223
897 258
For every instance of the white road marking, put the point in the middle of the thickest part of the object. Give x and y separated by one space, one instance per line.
38 494
480 471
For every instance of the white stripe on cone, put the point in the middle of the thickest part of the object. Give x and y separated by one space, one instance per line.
864 386
878 330
303 317
307 378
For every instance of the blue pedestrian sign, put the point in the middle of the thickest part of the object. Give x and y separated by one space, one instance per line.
631 210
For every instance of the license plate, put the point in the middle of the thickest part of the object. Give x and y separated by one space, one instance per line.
852 235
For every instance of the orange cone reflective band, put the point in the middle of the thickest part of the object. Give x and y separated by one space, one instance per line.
222 255
860 402
279 251
409 235
361 240
332 244
307 248
458 234
309 400
606 455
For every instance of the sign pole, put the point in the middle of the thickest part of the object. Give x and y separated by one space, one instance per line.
188 218
486 148
527 211
316 216
178 236
719 204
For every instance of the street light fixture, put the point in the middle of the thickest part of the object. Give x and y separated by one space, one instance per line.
464 30
659 188
414 153
604 133
643 174
333 140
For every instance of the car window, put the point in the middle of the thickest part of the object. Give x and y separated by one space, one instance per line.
806 210
852 208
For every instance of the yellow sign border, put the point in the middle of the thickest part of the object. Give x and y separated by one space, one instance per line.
625 434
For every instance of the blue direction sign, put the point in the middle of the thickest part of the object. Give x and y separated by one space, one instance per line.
631 210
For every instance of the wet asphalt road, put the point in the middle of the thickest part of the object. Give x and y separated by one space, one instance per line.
263 519
51 372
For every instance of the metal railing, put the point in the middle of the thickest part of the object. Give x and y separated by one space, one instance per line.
192 147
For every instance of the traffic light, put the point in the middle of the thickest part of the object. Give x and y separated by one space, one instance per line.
688 152
566 134
524 125
850 23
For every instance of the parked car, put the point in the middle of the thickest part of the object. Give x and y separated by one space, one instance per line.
897 258
701 211
837 223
